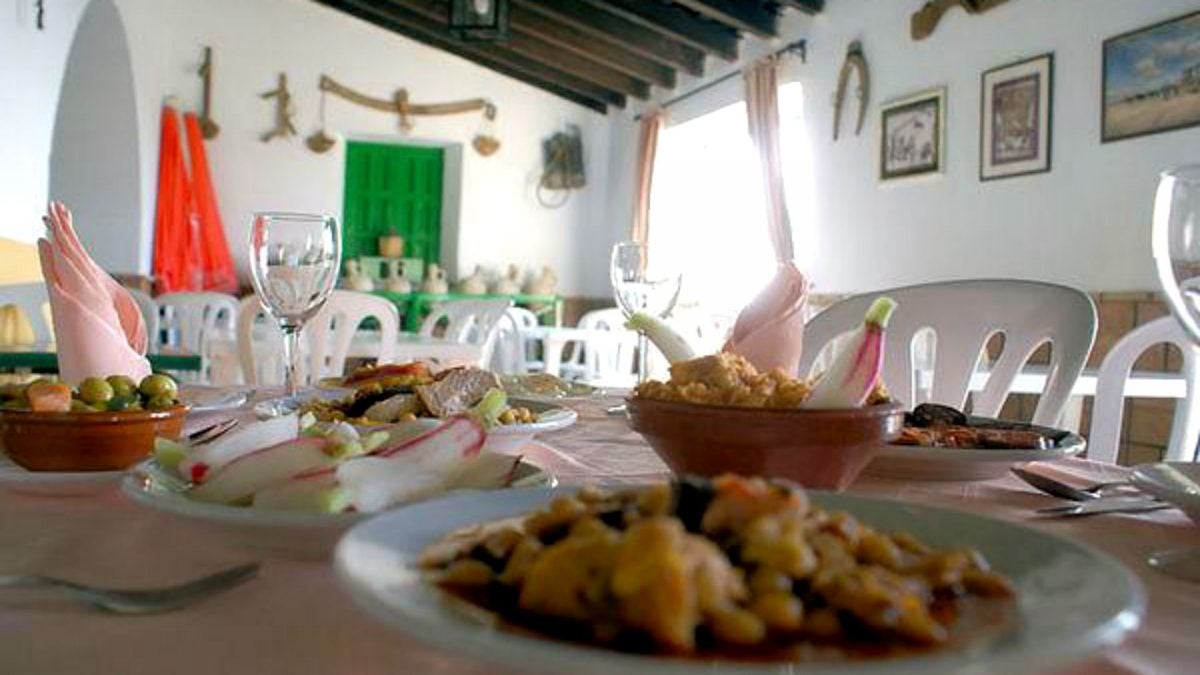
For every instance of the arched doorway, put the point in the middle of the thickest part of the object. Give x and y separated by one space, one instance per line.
94 165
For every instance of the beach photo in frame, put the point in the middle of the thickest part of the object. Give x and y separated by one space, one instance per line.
912 137
1151 79
1016 108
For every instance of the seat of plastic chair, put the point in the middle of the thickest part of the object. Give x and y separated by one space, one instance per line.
963 316
468 321
1104 436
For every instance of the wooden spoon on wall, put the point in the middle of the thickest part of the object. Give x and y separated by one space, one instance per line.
208 128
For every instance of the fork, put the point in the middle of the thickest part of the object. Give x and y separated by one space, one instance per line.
140 601
212 432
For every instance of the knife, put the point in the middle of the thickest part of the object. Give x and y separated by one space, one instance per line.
1106 505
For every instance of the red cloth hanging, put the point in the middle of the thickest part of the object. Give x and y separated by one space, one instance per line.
176 265
216 263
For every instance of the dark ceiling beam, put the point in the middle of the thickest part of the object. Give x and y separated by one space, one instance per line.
422 30
566 36
534 48
678 24
751 17
806 6
622 32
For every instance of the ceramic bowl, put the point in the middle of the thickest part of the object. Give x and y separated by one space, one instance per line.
41 441
822 449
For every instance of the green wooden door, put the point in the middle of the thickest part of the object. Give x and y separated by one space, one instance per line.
392 188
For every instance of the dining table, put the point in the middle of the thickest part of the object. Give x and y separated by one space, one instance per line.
295 617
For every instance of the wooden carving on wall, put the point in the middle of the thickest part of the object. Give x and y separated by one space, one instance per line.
925 20
284 111
208 128
856 62
485 143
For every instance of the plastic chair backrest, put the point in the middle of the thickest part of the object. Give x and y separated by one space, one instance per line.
32 299
331 331
1108 406
187 319
515 353
609 360
150 312
261 354
473 322
963 315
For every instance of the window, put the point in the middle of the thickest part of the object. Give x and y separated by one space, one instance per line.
707 217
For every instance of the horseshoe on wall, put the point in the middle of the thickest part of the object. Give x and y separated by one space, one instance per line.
855 62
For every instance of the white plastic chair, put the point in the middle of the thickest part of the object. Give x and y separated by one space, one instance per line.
963 315
329 333
150 312
474 322
193 321
35 303
1108 407
516 351
607 361
259 344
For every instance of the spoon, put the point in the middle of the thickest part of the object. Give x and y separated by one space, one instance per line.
1057 488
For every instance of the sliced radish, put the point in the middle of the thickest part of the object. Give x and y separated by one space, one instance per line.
203 461
454 438
316 491
485 471
249 473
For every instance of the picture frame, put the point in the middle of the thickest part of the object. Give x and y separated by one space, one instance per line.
912 135
1016 108
1151 79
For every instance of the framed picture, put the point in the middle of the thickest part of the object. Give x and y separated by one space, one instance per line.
1015 116
912 135
1151 79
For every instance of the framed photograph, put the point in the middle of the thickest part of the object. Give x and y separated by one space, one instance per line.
912 135
1015 115
1151 79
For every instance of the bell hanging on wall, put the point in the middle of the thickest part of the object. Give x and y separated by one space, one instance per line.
477 20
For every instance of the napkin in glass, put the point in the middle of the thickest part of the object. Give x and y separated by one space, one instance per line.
769 332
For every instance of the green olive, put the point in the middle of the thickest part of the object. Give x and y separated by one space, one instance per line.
122 385
160 403
158 385
121 403
94 390
78 406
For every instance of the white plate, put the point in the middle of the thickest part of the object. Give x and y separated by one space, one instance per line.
1174 482
293 534
1073 600
507 439
56 483
914 462
203 400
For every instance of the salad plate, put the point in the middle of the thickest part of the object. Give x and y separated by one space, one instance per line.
1071 600
56 483
295 534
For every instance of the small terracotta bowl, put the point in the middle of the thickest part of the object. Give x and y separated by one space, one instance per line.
821 449
41 441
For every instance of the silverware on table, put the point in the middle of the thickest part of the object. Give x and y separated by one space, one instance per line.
140 601
1106 505
1057 488
212 432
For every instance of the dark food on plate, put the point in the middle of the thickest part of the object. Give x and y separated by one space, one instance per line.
933 425
733 567
404 392
115 393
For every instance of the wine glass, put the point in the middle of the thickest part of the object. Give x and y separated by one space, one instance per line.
1175 244
639 288
294 260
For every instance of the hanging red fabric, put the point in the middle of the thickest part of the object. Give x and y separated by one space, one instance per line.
216 263
176 266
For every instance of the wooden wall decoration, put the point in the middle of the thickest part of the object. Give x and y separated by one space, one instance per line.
285 110
925 20
208 128
855 62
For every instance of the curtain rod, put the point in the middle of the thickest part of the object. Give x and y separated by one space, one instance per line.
799 46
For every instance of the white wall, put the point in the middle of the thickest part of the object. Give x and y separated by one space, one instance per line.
1085 223
501 221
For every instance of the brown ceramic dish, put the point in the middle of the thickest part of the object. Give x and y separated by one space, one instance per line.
822 449
41 441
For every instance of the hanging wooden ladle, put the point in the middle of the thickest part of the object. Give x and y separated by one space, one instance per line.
208 128
320 141
485 141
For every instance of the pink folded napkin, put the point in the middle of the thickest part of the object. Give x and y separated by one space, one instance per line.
98 328
769 332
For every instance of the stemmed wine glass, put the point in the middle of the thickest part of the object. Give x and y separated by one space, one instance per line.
294 260
642 289
1175 243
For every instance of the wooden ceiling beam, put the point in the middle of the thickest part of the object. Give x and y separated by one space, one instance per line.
566 36
419 29
619 31
751 17
806 6
678 24
539 50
